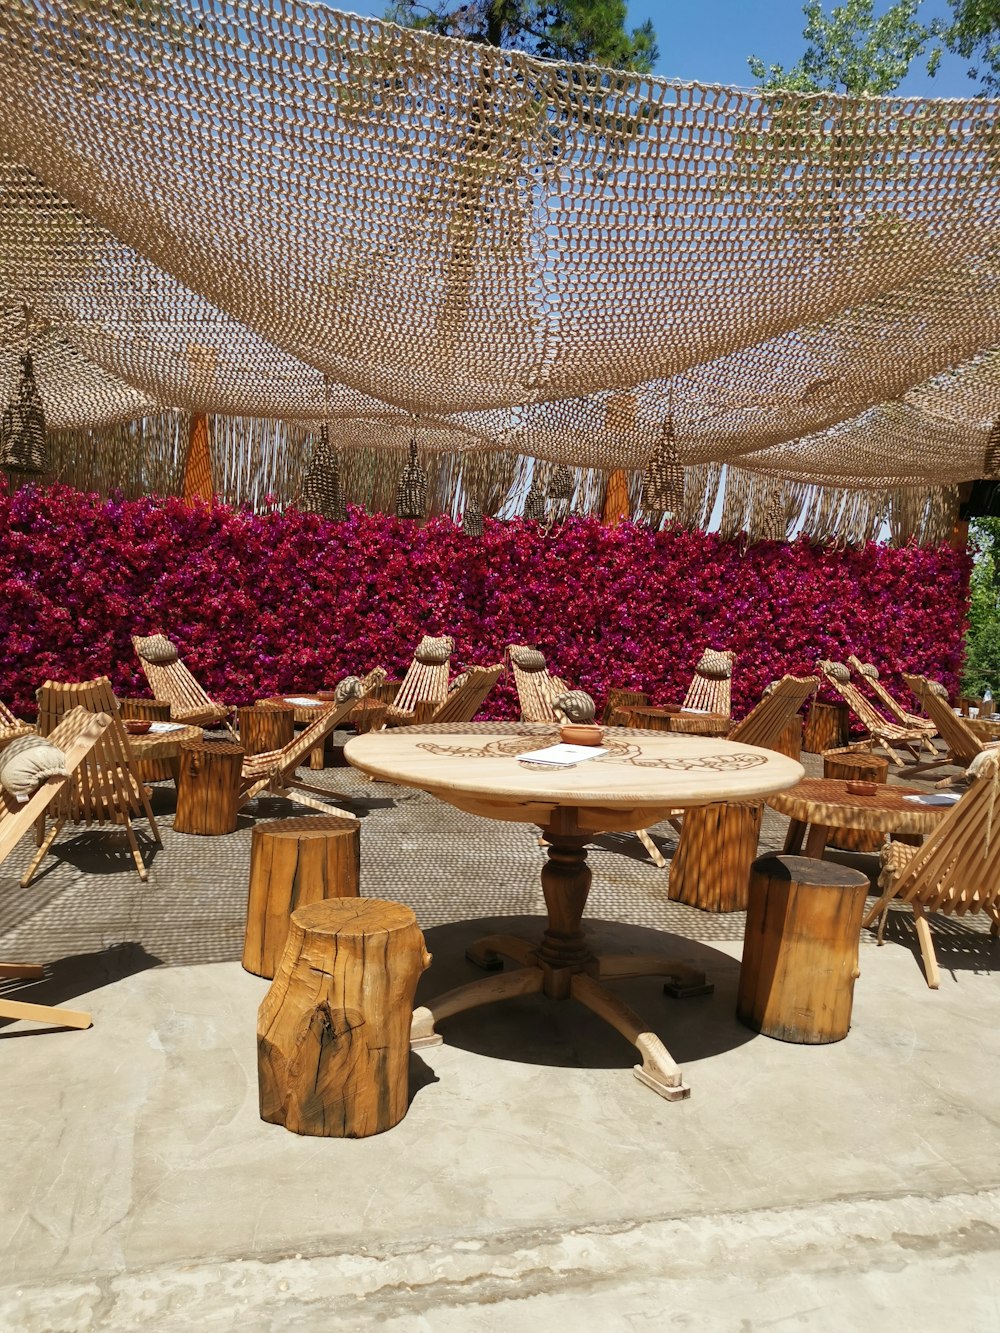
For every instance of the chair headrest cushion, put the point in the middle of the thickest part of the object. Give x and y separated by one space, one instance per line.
27 762
158 649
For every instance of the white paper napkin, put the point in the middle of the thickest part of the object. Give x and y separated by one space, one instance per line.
562 756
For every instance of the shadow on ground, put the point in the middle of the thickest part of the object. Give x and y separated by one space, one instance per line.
534 1030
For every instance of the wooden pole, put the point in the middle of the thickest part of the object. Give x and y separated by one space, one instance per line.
333 1033
294 862
197 482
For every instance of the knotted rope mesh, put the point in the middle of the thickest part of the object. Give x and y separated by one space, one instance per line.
272 210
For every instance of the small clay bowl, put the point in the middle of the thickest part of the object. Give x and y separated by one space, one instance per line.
579 733
860 788
326 694
137 726
671 708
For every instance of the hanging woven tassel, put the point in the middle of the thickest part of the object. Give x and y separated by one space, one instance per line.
23 445
472 519
411 496
773 524
534 505
663 479
561 484
992 465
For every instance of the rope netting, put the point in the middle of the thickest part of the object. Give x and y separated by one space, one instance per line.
273 210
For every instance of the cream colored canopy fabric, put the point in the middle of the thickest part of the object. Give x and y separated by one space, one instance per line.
277 210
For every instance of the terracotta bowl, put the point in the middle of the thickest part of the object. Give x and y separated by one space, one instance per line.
326 694
576 733
860 788
137 726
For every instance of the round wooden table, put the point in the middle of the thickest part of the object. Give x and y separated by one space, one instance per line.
823 805
683 723
164 745
643 778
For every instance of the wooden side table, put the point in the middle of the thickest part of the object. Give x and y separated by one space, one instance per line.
333 1032
208 787
828 727
295 862
266 727
853 766
800 949
711 867
152 710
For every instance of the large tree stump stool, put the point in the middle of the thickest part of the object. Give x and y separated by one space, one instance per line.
711 866
333 1033
208 787
790 740
855 766
295 862
827 727
266 727
153 710
800 948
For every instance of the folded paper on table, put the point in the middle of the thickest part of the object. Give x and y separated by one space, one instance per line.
562 756
935 798
165 726
300 701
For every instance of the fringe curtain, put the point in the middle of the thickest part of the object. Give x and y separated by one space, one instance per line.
265 463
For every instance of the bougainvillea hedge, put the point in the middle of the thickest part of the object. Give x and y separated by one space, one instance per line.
287 601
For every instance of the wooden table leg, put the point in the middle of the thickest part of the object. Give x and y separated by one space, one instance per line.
794 836
817 840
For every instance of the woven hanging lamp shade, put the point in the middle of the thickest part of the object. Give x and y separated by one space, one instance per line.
322 492
411 497
534 505
472 519
23 445
561 484
663 479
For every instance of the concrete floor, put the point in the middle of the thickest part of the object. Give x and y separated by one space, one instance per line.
534 1183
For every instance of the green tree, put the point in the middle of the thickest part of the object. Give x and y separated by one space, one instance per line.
574 30
851 50
973 34
982 643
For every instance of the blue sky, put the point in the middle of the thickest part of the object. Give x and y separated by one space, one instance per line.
708 41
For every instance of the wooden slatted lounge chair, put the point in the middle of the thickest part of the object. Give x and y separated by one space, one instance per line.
76 735
964 746
465 700
275 771
11 727
106 787
172 683
536 688
711 688
957 869
894 708
766 721
426 679
889 735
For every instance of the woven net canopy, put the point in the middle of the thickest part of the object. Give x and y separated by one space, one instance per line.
275 210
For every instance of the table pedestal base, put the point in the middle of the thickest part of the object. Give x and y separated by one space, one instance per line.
562 967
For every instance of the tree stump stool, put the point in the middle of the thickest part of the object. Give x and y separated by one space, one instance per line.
711 866
295 862
800 948
854 765
266 727
153 710
828 726
208 787
367 715
333 1032
790 740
